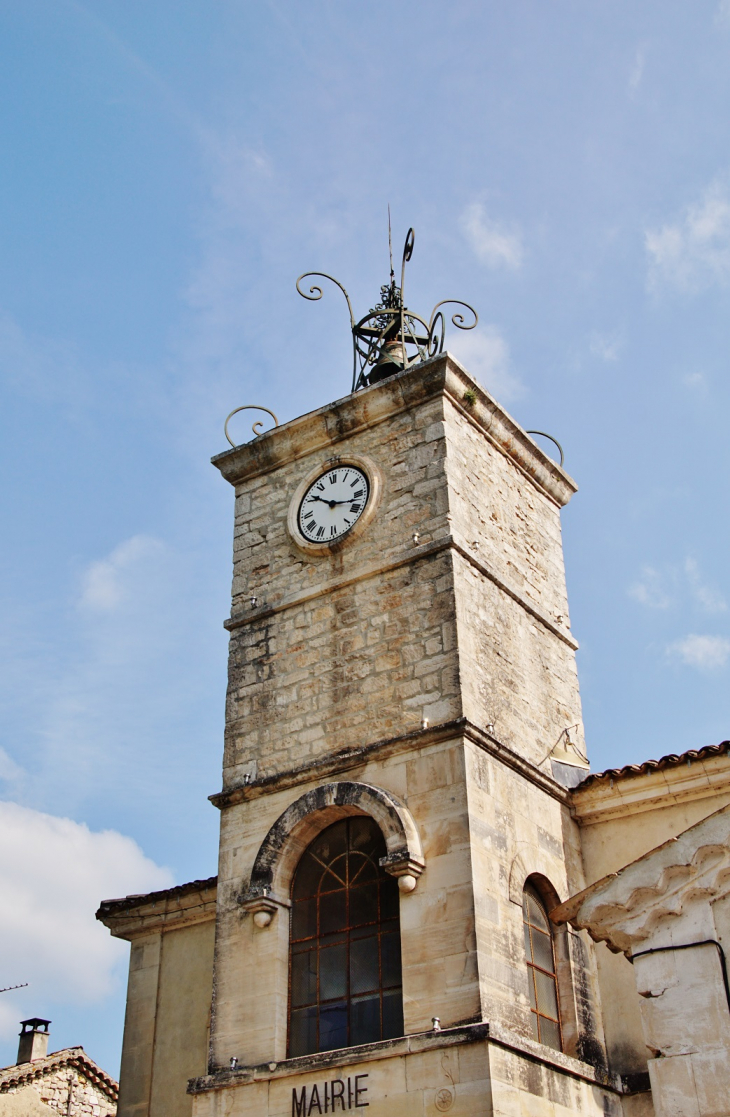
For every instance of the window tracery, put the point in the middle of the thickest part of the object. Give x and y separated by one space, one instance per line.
541 971
345 963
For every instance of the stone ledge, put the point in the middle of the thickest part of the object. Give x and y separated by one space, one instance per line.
441 376
334 763
409 1045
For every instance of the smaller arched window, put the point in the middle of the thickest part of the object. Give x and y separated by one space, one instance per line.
540 953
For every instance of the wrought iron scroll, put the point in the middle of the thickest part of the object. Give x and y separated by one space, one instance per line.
390 332
256 428
553 440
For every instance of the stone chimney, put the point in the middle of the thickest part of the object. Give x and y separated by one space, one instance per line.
33 1043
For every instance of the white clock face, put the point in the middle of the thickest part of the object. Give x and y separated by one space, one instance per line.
333 503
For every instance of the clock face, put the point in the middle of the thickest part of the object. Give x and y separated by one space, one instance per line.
333 503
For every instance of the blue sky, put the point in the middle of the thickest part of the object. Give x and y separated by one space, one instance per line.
168 170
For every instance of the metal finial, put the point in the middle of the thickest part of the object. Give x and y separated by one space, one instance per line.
391 337
390 246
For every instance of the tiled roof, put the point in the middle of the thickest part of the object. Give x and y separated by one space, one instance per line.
125 903
23 1074
669 761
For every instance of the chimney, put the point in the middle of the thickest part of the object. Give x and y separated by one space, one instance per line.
33 1043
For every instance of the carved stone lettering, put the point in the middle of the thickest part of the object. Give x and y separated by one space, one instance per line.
334 1096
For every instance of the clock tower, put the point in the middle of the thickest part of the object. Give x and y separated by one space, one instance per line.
402 728
400 920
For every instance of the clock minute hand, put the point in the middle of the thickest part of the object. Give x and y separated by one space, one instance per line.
332 503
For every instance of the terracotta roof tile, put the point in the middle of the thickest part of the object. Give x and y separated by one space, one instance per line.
669 761
125 903
24 1073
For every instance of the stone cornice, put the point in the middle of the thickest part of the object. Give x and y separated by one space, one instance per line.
442 375
615 797
333 764
623 909
133 916
414 554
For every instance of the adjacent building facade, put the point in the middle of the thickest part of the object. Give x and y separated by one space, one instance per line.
406 796
66 1082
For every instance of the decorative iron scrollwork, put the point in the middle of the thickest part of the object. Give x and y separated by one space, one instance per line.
390 337
554 440
256 428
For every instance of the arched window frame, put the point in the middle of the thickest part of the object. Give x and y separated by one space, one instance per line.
542 968
567 947
263 900
345 984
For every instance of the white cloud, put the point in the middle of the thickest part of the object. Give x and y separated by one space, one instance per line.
607 347
695 251
53 874
660 589
492 242
710 599
107 582
722 14
485 354
637 72
697 382
706 653
651 590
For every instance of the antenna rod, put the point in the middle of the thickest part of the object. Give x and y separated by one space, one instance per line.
9 988
390 248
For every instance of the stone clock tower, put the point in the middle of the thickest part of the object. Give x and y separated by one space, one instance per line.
400 920
402 673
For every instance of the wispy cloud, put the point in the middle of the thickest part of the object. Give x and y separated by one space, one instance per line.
664 588
485 354
637 71
696 382
694 252
53 872
722 14
651 589
706 596
706 653
492 242
607 347
108 581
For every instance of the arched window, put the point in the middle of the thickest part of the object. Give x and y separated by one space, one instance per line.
541 977
345 965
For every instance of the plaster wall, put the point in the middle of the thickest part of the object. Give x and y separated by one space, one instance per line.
618 824
166 1023
25 1102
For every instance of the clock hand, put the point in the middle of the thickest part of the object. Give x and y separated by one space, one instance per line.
331 503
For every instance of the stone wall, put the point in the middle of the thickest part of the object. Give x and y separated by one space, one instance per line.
64 1090
359 643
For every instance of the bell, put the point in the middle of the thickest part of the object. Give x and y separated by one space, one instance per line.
392 359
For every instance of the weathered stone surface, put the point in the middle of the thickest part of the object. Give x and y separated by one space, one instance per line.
659 911
65 1082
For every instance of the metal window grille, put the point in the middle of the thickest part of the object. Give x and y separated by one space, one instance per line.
540 954
345 962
